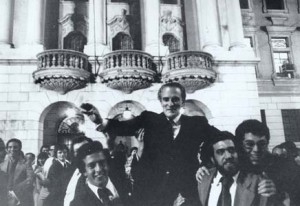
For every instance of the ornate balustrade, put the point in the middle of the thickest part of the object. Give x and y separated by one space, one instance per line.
192 69
128 70
62 70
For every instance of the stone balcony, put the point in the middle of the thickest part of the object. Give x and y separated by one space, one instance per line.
192 69
128 70
62 70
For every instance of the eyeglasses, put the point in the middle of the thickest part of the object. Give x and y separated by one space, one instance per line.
260 144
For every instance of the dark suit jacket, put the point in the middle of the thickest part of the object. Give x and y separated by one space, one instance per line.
85 196
59 178
23 181
246 191
162 155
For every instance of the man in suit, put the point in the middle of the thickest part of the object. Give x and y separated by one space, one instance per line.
58 177
171 142
226 184
20 175
76 144
95 187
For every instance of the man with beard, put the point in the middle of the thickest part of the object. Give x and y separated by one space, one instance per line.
226 184
95 187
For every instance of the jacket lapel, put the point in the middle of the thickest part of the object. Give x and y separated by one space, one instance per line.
246 189
204 186
19 169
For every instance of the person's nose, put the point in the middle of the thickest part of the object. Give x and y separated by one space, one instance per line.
98 167
255 148
228 155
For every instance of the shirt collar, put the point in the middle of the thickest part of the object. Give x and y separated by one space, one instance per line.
219 176
109 186
62 163
176 120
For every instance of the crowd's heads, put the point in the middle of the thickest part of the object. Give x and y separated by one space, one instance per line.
61 152
51 150
92 162
172 97
133 150
44 148
252 138
30 158
41 158
222 152
279 151
13 148
77 142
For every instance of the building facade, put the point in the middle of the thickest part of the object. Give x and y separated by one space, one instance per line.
237 60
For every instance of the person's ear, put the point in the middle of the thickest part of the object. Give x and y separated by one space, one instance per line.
212 160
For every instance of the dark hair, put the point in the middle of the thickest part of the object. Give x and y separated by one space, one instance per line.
290 148
207 150
14 140
44 146
174 85
60 147
79 139
251 126
31 154
42 155
85 150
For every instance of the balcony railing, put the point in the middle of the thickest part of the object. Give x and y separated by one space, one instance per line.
62 70
193 69
128 70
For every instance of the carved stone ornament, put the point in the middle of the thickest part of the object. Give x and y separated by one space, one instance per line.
62 70
119 23
171 25
192 69
127 70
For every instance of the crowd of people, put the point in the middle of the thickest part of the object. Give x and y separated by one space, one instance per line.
180 160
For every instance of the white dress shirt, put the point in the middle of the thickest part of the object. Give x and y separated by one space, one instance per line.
176 124
70 193
216 188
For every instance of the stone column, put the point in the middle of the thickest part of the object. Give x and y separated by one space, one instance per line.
97 28
35 22
6 23
208 24
150 15
235 24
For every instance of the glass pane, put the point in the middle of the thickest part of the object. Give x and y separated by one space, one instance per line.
279 43
244 4
280 58
275 4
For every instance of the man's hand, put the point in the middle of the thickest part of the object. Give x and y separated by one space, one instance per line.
92 112
266 186
201 172
179 200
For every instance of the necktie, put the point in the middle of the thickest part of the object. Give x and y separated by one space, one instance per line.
225 197
104 196
174 127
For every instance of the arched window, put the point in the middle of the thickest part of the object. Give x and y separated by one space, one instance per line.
122 42
75 41
170 41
